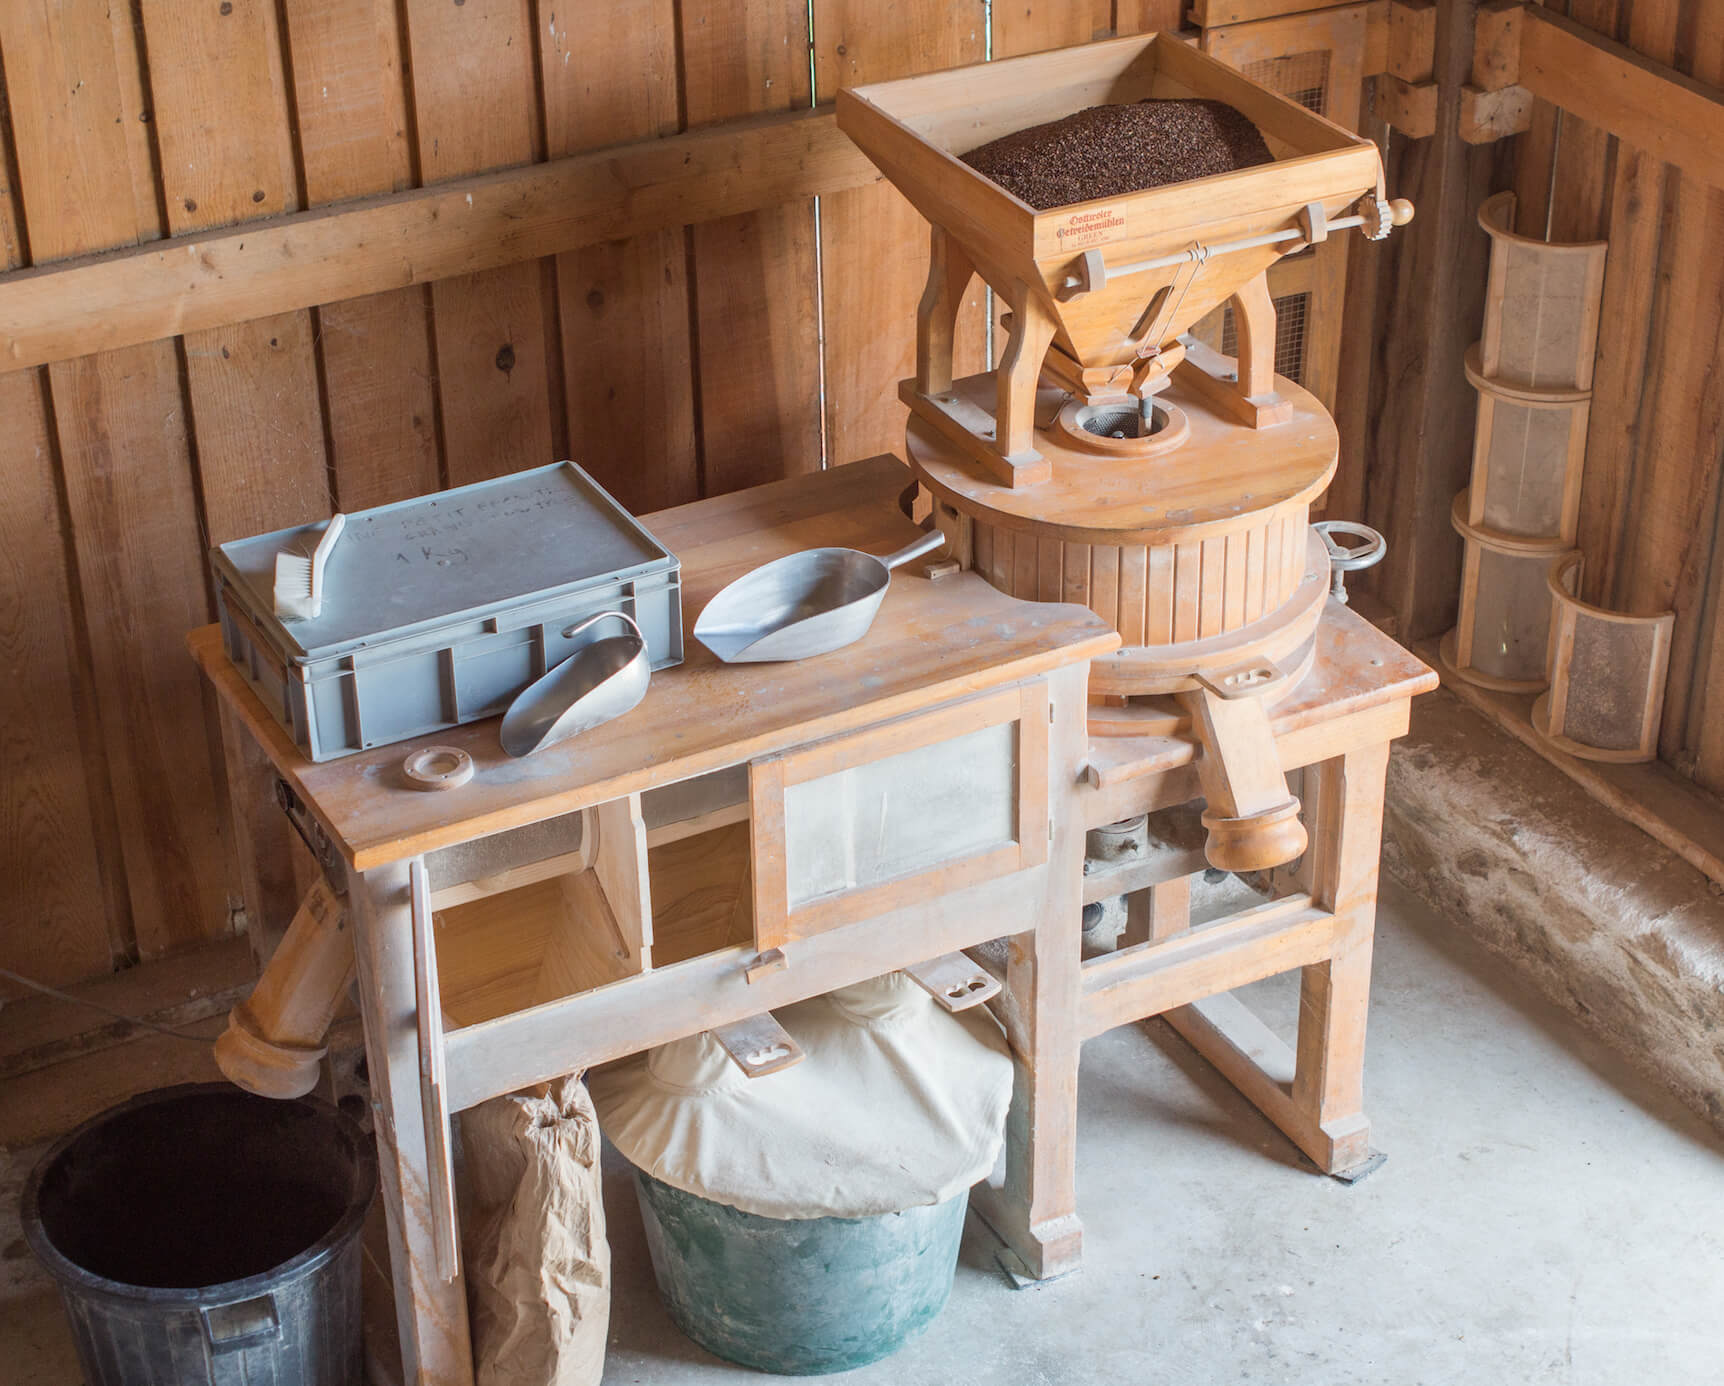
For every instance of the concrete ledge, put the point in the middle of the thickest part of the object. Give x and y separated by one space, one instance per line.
1605 921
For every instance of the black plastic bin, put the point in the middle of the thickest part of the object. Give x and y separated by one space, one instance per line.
201 1234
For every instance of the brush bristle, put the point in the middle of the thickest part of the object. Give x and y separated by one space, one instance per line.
293 586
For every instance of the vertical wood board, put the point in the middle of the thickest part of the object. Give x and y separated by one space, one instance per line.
475 108
350 105
222 125
873 243
609 75
757 333
75 81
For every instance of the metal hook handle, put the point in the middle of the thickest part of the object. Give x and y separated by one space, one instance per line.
572 631
1344 559
926 544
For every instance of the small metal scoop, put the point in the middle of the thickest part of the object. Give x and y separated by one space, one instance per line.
803 604
596 683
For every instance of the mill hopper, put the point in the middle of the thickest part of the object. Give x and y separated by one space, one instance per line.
1100 291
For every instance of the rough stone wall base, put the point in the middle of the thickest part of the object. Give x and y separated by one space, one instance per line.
1599 916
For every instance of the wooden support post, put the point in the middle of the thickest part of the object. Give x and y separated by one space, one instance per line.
1496 45
1493 104
1412 39
620 862
1346 800
1420 439
1020 368
1254 325
949 275
1035 1211
1157 912
431 1312
1411 107
1248 393
1492 115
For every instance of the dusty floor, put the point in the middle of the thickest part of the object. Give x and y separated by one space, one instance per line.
1542 1217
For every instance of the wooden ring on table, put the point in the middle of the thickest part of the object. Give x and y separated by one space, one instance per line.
437 767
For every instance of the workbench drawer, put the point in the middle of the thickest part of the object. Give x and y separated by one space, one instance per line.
852 827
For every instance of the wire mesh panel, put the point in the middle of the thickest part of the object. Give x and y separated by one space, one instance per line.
1291 311
1302 77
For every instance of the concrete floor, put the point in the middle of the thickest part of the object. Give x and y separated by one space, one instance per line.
1542 1217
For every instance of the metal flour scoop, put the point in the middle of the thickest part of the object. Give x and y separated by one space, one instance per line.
803 604
597 682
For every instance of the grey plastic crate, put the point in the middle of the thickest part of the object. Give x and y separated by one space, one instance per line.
440 609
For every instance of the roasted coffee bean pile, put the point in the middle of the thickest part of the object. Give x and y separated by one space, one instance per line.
1105 151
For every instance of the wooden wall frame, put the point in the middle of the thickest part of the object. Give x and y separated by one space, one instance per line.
1526 51
776 923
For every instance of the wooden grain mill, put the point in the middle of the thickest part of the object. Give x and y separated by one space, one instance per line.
1108 460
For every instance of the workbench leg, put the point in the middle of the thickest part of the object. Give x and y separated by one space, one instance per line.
431 1313
1035 1211
1345 795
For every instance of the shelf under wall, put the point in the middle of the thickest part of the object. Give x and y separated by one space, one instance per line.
1686 818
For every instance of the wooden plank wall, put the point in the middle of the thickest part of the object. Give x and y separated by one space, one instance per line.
680 363
1651 508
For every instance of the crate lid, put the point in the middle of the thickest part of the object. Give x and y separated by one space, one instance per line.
471 552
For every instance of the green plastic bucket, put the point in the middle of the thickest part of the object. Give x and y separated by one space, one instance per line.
799 1296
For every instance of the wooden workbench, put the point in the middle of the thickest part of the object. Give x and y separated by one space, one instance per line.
953 675
571 970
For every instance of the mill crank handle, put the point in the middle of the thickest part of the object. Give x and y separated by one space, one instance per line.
930 541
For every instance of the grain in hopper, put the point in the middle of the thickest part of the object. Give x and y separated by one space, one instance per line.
1109 459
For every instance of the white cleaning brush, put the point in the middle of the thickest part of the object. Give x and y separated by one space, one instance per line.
299 577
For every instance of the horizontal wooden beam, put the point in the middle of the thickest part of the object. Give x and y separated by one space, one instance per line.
257 269
1646 104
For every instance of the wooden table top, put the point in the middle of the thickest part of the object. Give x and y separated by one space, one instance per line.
933 640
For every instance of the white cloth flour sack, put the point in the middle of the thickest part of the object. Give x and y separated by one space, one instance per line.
898 1104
